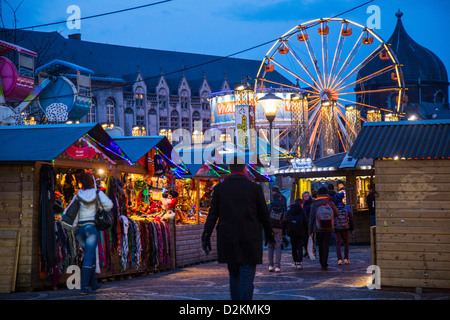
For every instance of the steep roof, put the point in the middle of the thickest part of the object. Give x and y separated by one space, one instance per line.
417 61
109 60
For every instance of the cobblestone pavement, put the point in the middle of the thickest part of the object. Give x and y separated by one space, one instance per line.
209 281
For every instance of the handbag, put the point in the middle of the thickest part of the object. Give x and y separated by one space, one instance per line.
69 218
103 218
310 248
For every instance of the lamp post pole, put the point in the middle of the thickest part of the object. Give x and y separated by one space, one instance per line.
270 118
270 103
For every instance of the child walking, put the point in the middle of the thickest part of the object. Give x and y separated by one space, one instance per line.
297 230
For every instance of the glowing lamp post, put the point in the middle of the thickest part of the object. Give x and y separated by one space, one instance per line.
270 103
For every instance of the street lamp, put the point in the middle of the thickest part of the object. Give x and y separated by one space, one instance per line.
270 103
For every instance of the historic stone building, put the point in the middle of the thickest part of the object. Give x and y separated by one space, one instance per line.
145 90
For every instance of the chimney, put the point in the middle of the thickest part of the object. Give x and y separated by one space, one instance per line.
75 36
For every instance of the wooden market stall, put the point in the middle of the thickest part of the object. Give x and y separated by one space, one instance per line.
176 176
38 168
338 169
207 166
412 172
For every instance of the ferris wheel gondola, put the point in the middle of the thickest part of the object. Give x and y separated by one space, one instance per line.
325 56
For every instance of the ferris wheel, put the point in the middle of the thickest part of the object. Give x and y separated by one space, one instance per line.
346 69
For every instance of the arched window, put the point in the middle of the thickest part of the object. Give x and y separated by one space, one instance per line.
205 102
195 117
110 118
139 97
439 97
162 98
174 120
129 121
184 99
92 114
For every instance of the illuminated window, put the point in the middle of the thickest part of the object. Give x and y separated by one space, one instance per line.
139 97
110 111
92 114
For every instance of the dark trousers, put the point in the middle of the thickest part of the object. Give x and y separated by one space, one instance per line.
297 248
241 280
341 236
323 241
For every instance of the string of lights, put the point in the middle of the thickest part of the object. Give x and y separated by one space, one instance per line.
121 154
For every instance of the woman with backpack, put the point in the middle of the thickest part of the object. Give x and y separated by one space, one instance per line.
343 223
296 228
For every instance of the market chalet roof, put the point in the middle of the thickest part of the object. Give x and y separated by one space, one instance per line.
427 139
115 61
135 147
46 142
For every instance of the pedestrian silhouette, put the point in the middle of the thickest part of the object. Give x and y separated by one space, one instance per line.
239 209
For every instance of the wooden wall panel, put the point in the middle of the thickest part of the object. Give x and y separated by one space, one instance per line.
189 246
413 223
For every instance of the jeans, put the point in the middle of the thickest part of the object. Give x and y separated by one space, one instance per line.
271 249
241 280
323 240
297 248
87 236
341 236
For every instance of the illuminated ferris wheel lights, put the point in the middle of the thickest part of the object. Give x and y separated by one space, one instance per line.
328 80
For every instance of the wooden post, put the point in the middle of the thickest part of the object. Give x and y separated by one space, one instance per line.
197 201
373 245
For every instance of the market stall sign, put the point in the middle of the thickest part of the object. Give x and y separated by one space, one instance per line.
245 124
81 152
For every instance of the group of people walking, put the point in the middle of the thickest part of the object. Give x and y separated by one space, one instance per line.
314 220
242 219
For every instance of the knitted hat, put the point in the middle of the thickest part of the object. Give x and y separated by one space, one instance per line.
339 196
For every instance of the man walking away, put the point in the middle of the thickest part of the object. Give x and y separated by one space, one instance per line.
321 222
239 208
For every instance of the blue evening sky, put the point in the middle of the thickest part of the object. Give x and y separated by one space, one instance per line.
223 27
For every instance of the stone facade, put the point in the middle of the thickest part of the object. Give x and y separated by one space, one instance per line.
151 110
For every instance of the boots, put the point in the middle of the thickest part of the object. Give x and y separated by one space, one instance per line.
93 280
85 278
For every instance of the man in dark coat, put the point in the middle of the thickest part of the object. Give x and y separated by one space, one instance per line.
239 206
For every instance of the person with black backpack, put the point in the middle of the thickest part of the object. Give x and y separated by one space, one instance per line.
297 228
321 222
343 223
277 214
